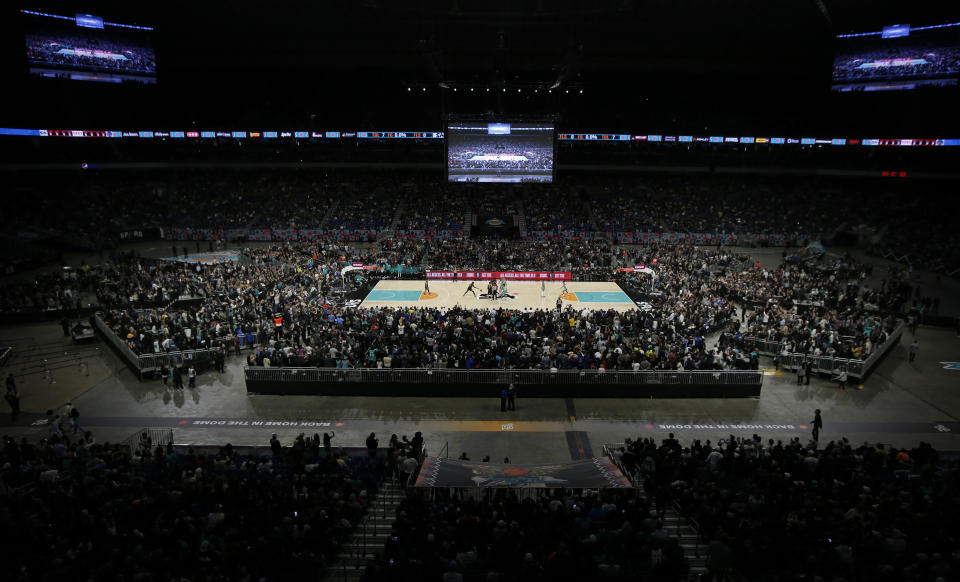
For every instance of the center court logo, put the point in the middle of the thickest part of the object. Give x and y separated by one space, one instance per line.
494 222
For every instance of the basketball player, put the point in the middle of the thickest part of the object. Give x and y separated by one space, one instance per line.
470 289
543 289
563 290
426 286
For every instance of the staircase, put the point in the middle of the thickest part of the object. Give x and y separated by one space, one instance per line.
694 550
369 536
331 210
677 526
394 223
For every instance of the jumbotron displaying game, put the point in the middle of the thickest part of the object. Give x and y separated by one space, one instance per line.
502 151
85 47
899 57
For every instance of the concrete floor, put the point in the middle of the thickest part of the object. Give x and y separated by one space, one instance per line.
900 404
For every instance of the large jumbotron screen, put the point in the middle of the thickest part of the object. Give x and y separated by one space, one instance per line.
88 47
501 151
898 57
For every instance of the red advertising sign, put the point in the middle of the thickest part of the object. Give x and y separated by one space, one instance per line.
508 275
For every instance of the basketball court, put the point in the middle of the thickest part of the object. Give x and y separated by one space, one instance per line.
526 295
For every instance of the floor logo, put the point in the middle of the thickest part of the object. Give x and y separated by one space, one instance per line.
494 222
951 365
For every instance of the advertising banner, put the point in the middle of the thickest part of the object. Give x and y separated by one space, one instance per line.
508 275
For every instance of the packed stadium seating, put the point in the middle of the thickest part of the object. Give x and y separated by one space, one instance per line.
793 510
121 512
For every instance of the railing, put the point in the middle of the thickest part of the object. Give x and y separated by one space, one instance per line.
459 376
113 339
159 437
826 364
150 362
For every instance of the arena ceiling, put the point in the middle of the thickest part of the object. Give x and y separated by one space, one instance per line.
656 59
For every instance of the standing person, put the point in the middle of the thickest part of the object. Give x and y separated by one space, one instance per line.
65 324
842 380
426 286
504 393
543 289
801 373
178 378
512 397
192 377
275 447
817 423
372 443
914 348
809 371
470 289
13 399
559 304
407 468
328 441
75 420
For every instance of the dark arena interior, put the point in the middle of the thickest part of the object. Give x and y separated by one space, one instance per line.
656 290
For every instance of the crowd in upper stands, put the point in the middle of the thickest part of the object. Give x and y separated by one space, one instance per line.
339 206
790 510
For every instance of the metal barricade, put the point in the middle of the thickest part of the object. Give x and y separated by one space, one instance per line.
496 376
121 346
825 364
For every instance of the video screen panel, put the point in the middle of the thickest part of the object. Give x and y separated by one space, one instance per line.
898 57
85 47
501 151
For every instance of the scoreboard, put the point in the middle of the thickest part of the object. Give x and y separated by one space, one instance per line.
594 136
399 135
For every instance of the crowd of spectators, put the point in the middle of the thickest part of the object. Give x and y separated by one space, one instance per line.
794 511
287 300
283 205
90 53
720 204
554 537
104 511
900 62
518 254
482 152
554 208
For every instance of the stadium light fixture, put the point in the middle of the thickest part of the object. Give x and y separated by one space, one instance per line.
581 91
424 89
518 90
